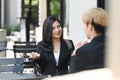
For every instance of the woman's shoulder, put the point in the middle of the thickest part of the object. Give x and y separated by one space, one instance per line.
67 40
69 43
40 47
40 43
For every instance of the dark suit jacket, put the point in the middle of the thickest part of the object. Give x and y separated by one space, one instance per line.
47 61
89 56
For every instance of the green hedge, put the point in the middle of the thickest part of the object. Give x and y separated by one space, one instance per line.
10 28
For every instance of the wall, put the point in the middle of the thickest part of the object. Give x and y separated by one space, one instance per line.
113 41
42 16
2 38
11 12
76 9
2 13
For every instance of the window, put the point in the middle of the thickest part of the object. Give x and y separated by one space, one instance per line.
30 10
30 13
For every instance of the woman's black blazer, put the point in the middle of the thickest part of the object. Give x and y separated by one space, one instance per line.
47 61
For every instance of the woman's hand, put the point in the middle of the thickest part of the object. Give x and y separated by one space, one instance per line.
79 44
34 55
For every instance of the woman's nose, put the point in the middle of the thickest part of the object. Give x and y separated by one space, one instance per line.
56 29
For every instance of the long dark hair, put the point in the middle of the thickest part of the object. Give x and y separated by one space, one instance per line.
47 33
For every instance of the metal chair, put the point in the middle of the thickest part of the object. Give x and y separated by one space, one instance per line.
11 65
25 49
25 42
3 45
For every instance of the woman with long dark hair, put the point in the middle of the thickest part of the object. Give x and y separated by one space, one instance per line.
53 52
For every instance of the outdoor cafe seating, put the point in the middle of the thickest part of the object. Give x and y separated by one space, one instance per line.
3 45
24 48
12 69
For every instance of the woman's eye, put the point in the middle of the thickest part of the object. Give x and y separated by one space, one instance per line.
58 26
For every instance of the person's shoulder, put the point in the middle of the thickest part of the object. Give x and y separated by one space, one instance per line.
68 40
40 47
40 43
69 43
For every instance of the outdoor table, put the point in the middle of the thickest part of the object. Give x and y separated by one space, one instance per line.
20 76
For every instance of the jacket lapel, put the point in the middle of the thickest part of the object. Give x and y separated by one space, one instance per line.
53 58
62 52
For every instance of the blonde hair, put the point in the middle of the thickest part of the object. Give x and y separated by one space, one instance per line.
98 15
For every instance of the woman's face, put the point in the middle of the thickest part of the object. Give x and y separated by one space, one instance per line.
56 30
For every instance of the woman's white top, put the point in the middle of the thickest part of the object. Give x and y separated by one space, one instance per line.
56 55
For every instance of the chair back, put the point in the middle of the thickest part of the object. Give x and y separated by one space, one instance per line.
3 45
11 65
25 49
25 42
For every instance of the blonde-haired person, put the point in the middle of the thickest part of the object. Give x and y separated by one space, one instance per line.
91 55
